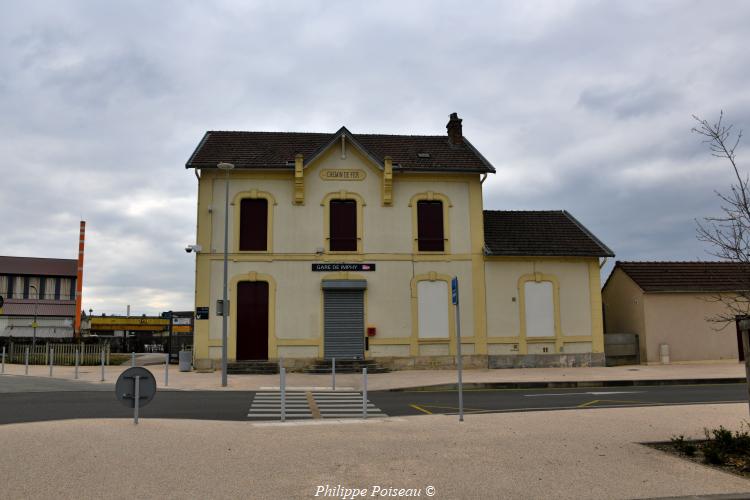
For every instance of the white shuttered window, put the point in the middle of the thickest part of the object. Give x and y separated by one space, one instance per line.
540 309
433 309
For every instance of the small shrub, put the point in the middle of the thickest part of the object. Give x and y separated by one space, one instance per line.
713 454
683 446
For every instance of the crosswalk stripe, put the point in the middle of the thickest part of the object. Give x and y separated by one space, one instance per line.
312 405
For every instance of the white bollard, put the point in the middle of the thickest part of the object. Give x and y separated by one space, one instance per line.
77 362
102 356
166 370
132 359
3 368
27 361
282 386
51 360
364 392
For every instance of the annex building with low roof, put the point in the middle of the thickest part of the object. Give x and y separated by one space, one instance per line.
680 305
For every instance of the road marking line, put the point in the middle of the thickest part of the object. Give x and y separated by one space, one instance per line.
428 412
584 405
593 393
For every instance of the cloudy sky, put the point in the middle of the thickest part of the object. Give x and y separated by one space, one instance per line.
584 106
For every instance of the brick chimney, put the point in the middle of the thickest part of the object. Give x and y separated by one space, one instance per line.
455 131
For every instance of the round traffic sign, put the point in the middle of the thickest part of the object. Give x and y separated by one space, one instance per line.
125 386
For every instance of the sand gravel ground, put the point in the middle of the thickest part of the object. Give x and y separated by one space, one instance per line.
557 454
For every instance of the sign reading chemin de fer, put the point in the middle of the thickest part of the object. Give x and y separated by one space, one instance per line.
333 267
341 174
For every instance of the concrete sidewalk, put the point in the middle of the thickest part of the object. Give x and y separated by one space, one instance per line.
589 454
407 378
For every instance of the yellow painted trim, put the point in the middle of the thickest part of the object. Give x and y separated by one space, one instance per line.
430 196
415 340
336 256
503 340
299 180
478 277
532 258
595 295
253 194
232 333
523 340
388 182
326 204
342 275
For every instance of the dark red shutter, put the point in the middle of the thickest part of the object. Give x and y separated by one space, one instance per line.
343 230
430 236
253 224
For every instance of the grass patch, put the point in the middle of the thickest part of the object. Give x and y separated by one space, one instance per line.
119 359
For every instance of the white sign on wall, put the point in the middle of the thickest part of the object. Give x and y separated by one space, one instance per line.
540 309
433 303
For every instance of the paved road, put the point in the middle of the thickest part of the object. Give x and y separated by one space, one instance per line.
29 399
516 400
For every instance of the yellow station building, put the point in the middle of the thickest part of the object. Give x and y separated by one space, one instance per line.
344 245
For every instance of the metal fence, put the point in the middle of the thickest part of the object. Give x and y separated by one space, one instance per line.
64 353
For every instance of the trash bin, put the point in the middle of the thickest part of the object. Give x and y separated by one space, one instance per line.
186 359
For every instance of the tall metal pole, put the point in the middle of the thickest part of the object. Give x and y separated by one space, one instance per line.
225 309
364 392
459 361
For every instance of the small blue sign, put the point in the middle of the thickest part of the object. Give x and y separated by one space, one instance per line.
454 290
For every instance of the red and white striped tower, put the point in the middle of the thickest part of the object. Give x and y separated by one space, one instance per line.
79 281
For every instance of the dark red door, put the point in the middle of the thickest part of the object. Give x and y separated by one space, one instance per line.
252 320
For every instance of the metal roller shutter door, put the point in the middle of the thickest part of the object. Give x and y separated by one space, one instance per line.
344 323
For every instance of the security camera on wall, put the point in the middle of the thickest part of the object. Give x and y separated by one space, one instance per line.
193 248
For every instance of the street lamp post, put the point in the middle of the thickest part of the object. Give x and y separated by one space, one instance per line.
36 304
226 167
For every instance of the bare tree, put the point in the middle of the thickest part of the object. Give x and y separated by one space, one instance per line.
729 233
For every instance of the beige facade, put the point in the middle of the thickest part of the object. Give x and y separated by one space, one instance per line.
491 289
679 319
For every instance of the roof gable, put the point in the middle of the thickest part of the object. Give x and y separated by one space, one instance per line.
541 233
277 150
687 276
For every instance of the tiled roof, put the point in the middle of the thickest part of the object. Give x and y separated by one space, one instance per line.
26 307
548 232
278 149
687 276
36 266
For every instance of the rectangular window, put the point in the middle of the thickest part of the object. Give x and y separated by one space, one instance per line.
343 229
3 286
34 284
254 224
65 289
430 236
49 289
432 308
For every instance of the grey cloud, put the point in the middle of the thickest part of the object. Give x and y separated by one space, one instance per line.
584 106
629 102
